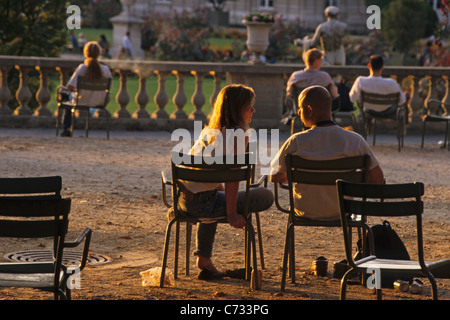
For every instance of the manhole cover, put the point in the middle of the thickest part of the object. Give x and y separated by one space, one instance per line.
69 258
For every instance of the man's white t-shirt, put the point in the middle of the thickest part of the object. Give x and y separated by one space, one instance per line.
375 84
86 97
321 143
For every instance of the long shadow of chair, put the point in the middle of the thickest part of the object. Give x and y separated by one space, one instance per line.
437 112
370 118
315 172
207 170
382 200
86 86
33 208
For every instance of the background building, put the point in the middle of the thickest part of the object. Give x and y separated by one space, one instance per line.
309 13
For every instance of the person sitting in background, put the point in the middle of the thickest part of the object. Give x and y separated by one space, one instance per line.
90 69
311 75
375 83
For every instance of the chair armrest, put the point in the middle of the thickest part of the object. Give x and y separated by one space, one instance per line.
86 236
438 101
165 182
277 202
262 179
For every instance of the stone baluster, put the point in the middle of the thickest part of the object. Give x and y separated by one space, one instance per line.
404 81
416 101
63 75
43 94
122 97
432 94
23 94
5 93
179 99
142 98
161 98
217 79
198 98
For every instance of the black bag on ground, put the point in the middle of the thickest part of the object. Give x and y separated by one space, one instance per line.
388 245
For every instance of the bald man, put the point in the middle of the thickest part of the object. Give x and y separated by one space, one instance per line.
323 141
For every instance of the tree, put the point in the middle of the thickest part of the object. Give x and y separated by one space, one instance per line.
405 21
218 4
32 27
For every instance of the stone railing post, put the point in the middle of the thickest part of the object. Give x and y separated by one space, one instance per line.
217 86
416 101
161 98
198 98
142 97
5 93
23 94
122 97
43 93
179 99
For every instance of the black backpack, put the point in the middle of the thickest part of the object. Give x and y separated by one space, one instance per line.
388 245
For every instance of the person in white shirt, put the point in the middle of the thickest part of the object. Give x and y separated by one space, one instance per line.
233 110
91 69
375 83
323 141
126 45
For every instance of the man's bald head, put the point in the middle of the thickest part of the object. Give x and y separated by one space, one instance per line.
315 105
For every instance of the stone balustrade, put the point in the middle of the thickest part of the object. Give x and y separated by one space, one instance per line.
268 82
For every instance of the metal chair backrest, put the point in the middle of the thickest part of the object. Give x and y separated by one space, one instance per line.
103 84
34 208
381 200
324 172
211 170
379 99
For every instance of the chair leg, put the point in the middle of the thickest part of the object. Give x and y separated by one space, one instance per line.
108 119
344 283
423 133
73 121
188 247
57 121
446 134
258 231
252 248
286 255
88 115
165 253
177 249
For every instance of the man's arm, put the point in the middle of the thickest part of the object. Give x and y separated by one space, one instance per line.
280 177
376 175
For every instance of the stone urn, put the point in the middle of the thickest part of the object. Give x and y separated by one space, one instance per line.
257 38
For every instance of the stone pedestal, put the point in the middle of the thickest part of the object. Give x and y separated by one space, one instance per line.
123 23
269 91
